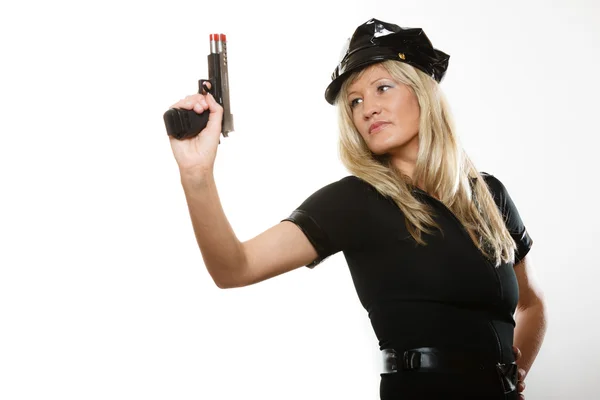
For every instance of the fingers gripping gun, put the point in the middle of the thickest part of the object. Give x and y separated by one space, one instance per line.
183 124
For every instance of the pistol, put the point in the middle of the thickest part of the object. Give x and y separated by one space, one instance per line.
183 124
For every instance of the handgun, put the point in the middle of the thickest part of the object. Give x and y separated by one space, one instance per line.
182 123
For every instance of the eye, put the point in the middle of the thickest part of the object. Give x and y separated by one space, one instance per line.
383 88
354 102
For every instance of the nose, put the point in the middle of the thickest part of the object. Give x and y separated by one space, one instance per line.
370 107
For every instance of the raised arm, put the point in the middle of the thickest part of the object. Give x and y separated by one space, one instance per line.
230 263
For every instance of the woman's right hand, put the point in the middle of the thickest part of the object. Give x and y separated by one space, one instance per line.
196 155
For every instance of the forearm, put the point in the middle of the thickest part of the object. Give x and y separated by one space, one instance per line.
529 333
221 250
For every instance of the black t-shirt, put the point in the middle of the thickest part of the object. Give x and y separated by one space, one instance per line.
445 294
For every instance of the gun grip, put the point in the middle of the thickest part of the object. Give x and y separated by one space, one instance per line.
183 124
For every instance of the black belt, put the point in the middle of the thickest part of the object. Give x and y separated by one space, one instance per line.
433 359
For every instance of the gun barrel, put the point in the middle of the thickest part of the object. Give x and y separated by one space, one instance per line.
227 116
219 75
213 43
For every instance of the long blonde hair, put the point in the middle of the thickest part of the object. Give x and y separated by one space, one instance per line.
442 166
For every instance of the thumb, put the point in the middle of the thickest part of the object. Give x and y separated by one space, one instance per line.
517 352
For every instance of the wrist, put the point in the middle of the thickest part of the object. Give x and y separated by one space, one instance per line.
195 177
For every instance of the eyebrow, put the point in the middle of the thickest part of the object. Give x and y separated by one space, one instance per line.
378 79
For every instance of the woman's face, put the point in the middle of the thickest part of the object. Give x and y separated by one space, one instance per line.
385 112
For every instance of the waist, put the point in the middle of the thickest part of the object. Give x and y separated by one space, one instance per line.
464 331
432 359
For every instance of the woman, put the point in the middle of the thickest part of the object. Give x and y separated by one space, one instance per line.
437 250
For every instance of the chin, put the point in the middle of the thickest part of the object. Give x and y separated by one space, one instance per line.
396 145
379 152
383 148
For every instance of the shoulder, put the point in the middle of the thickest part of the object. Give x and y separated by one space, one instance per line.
348 184
495 185
499 192
347 193
353 181
348 189
490 179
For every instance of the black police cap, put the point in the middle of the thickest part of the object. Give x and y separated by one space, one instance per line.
376 41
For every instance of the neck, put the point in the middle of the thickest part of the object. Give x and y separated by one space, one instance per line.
405 158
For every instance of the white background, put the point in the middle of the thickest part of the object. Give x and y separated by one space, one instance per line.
103 292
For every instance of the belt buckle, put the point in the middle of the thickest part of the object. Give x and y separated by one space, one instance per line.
508 374
411 360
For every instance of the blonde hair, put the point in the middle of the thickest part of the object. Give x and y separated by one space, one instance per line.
442 166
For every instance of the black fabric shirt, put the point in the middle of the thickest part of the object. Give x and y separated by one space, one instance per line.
445 294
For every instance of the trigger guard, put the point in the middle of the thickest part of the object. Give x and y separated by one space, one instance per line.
202 89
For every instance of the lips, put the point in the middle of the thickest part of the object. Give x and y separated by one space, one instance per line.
377 126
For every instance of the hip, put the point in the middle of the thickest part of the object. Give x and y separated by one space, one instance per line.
413 385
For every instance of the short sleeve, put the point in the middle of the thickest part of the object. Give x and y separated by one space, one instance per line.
511 216
331 217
